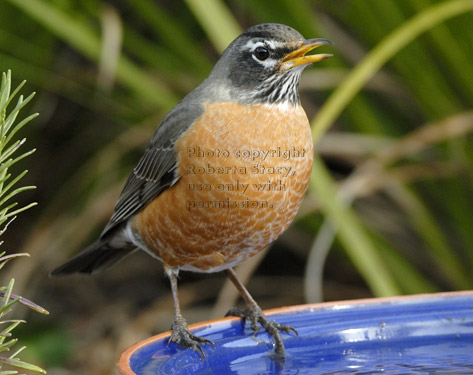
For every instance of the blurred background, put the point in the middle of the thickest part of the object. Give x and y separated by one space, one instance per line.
389 209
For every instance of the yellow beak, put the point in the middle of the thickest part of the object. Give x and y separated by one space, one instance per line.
298 56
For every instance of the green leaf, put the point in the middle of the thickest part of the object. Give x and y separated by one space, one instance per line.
7 294
4 94
23 365
5 154
19 126
356 241
4 166
15 92
87 42
216 19
4 217
5 258
14 113
385 50
15 192
11 327
12 183
26 302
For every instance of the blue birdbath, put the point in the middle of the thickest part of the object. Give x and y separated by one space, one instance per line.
422 334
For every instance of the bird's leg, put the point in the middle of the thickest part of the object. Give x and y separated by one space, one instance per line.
254 314
180 333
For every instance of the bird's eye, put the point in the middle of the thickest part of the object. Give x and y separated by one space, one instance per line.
261 53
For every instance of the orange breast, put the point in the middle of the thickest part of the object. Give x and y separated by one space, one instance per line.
243 173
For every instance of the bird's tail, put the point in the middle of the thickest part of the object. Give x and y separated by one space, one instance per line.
97 257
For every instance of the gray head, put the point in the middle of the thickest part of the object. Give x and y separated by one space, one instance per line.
264 65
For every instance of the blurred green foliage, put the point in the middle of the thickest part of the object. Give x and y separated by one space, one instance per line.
397 97
163 49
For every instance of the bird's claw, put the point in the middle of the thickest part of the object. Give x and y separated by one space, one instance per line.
182 336
254 315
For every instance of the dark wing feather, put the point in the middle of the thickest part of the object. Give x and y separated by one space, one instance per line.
156 170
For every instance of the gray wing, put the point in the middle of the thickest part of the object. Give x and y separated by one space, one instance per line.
156 170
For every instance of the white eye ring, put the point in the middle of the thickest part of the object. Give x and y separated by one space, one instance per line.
258 54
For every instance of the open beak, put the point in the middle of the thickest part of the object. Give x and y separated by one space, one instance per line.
299 57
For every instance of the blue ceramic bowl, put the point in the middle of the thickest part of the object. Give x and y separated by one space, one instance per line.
425 334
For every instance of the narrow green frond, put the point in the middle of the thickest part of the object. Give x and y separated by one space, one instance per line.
357 243
5 258
6 346
23 365
5 154
16 212
14 113
15 92
4 93
26 302
18 351
217 21
5 189
10 162
86 40
15 192
8 291
12 326
18 127
385 50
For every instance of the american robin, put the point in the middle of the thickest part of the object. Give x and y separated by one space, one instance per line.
224 174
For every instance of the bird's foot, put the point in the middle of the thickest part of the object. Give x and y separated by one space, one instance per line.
182 336
254 315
